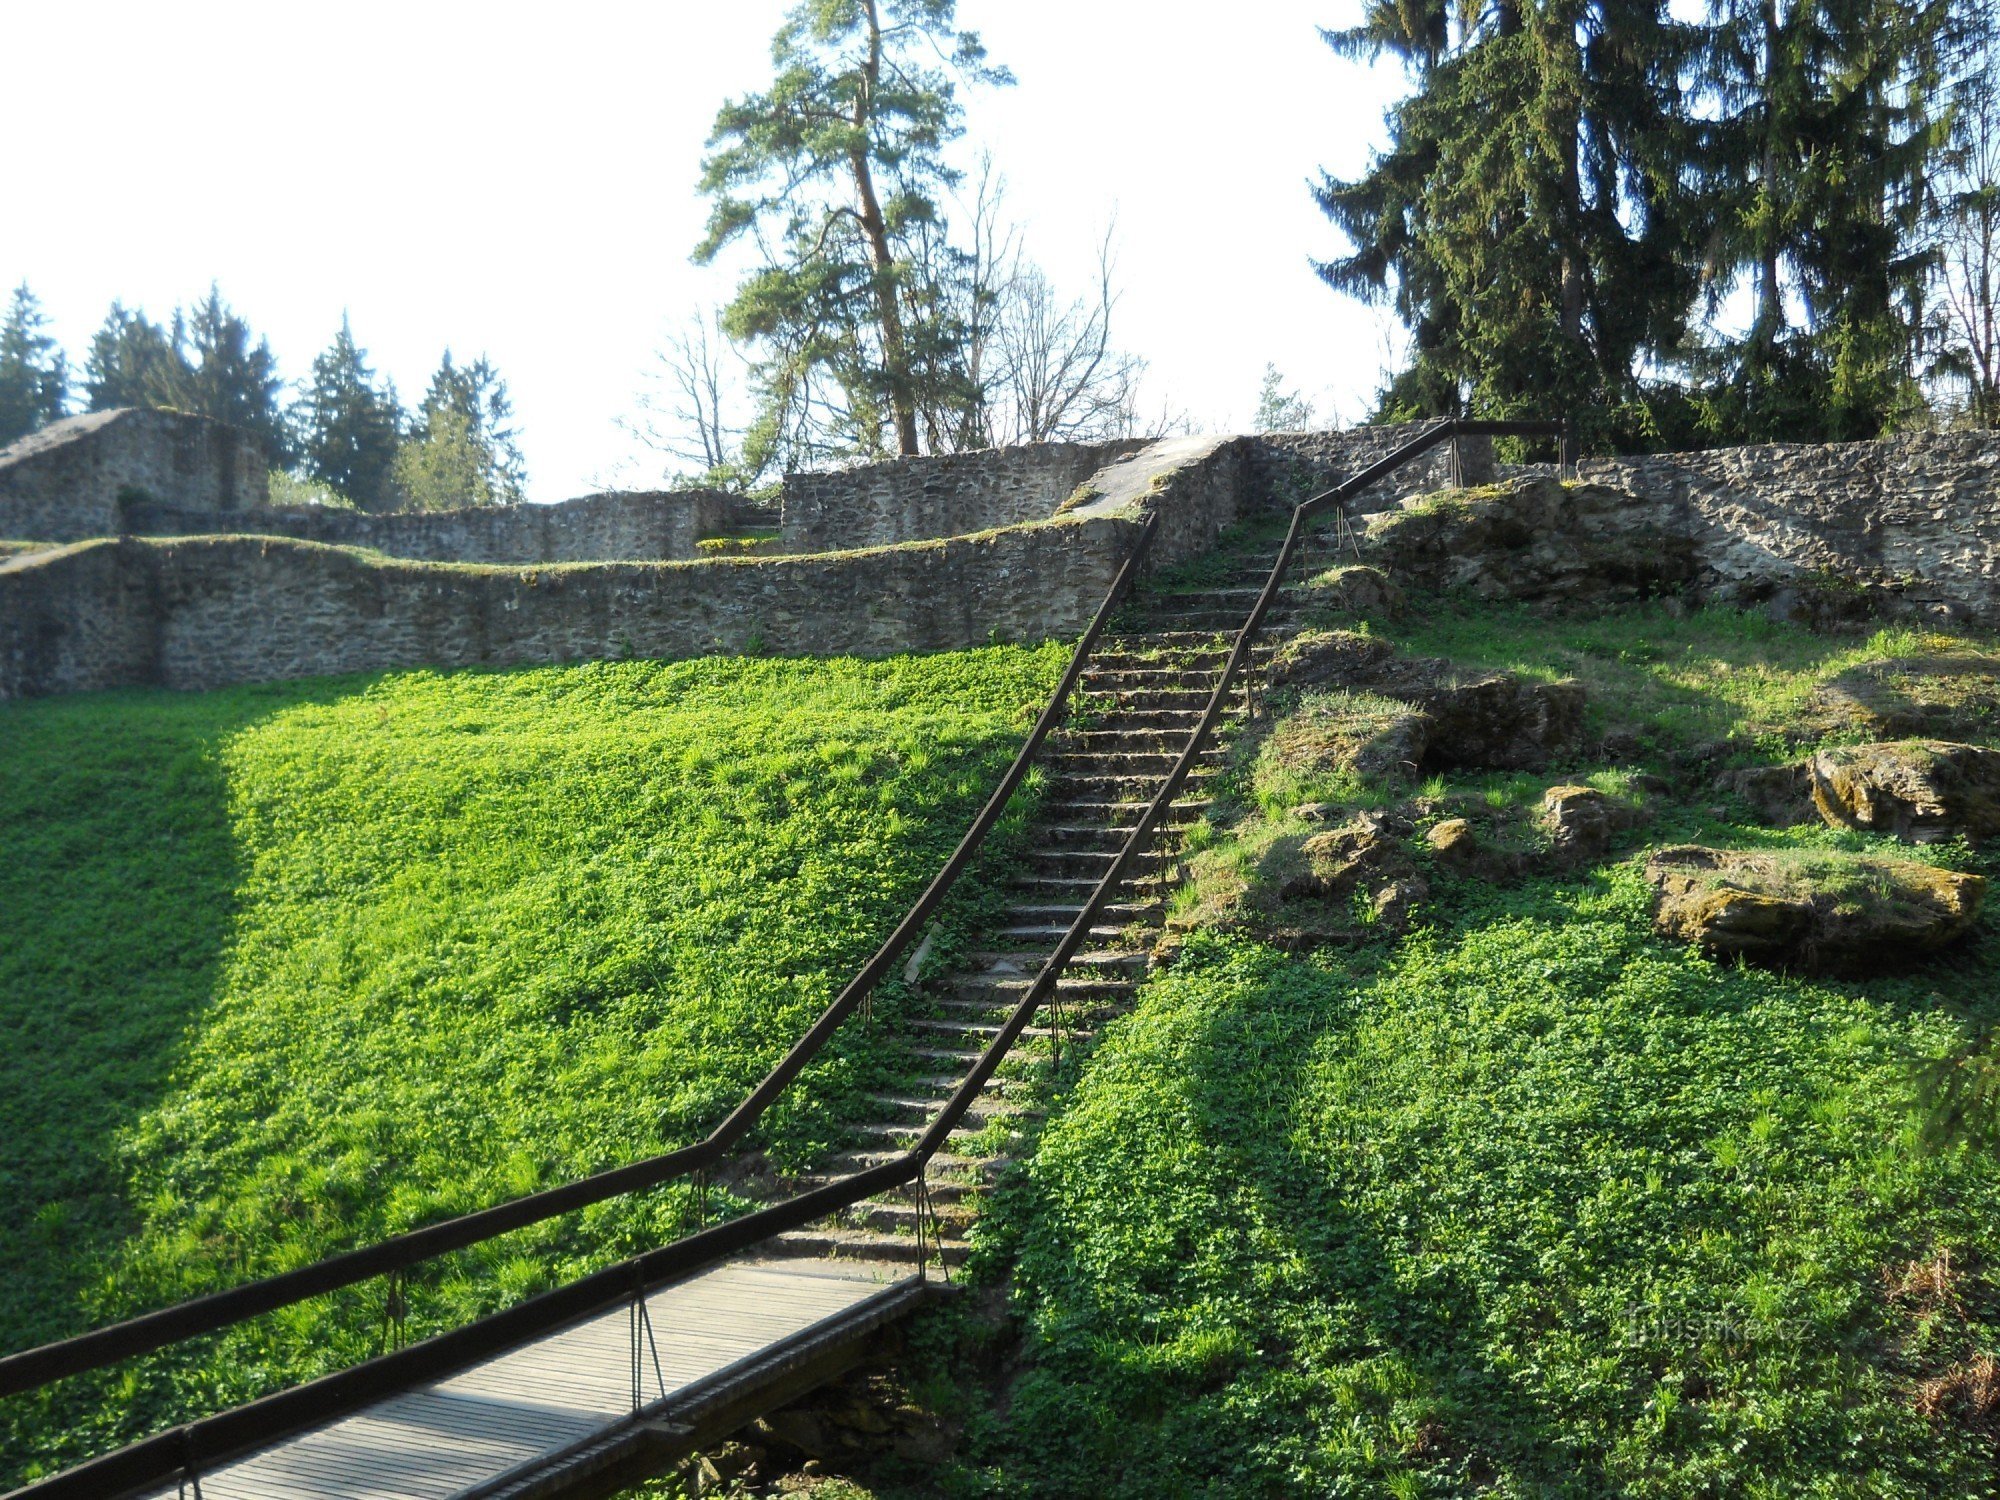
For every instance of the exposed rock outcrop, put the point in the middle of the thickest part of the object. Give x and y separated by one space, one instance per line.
1302 890
1534 539
1921 791
1355 589
1493 720
1821 912
1580 821
1781 796
1379 739
1365 857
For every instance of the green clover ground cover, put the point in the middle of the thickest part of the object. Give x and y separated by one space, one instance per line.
1528 1202
1531 1205
287 969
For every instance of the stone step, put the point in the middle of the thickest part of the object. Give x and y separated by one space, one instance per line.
1053 932
965 1171
1128 786
1108 958
1171 721
1077 887
1068 988
1079 834
920 1108
1117 738
1184 703
1093 864
904 1133
953 1026
840 1243
946 1084
1119 912
950 1219
1183 810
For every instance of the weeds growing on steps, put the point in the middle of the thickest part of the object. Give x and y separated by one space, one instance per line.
288 969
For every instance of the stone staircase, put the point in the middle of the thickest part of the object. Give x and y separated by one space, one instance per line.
1142 694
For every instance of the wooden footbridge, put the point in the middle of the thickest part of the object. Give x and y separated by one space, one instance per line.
582 1390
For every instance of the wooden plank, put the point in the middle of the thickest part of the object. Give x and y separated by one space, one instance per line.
546 1396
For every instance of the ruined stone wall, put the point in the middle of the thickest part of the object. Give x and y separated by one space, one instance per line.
878 505
74 478
1287 467
200 612
203 612
617 527
1919 514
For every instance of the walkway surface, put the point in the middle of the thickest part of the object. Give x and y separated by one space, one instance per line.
522 1410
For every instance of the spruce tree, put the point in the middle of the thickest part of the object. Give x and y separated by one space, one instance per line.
218 373
835 171
1828 121
1523 217
347 429
132 362
34 376
462 449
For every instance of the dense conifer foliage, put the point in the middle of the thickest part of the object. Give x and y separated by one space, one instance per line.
34 377
1722 228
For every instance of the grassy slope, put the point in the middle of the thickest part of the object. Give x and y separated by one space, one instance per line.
290 968
1527 1203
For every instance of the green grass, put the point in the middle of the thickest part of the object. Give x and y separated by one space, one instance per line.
1676 678
288 969
1529 1202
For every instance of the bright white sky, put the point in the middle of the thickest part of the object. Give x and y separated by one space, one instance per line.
519 180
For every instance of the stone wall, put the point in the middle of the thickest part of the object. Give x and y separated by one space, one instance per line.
201 612
74 478
617 527
1195 485
1916 515
1287 467
903 500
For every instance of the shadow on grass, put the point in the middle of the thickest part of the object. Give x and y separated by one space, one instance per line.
118 879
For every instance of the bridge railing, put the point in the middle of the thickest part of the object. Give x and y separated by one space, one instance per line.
203 1443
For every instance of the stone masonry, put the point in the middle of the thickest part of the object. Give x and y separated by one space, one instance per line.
77 478
1038 550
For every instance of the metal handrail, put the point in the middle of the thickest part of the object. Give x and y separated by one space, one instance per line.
214 1439
31 1368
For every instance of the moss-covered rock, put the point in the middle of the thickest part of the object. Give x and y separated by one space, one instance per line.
1824 912
1534 539
1580 821
1301 888
1921 791
1781 796
1491 720
1355 589
1377 738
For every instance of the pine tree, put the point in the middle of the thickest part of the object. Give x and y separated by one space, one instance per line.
346 429
836 172
218 373
462 449
132 362
34 376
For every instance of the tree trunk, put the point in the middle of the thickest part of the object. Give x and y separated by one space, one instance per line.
1770 294
895 350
